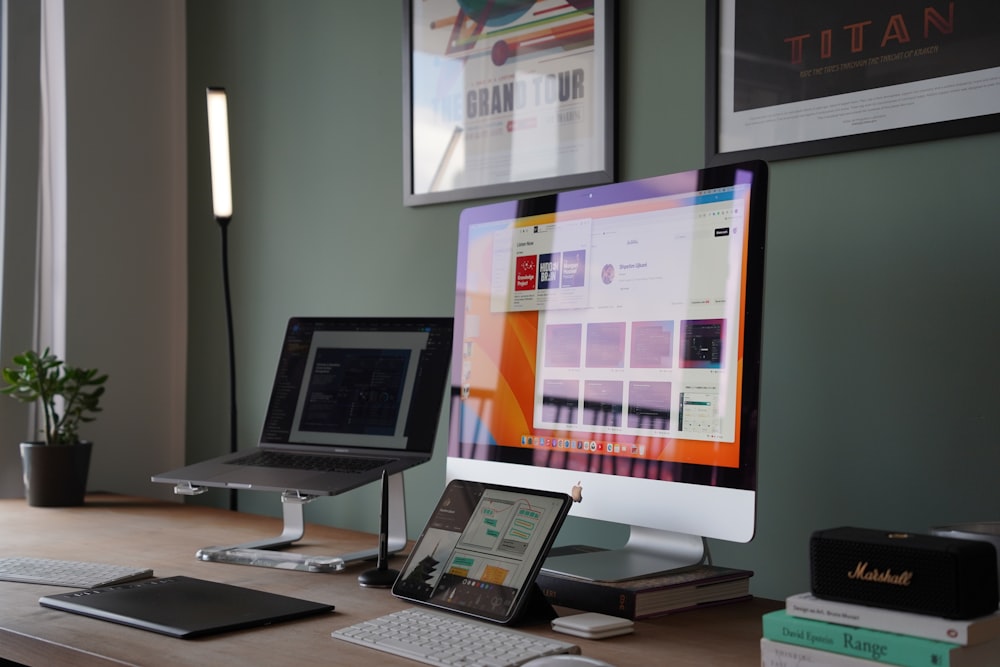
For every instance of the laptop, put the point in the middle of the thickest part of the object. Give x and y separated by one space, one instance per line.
352 397
183 606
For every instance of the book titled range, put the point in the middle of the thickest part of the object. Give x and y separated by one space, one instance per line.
875 645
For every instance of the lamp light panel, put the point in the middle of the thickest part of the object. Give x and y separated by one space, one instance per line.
218 146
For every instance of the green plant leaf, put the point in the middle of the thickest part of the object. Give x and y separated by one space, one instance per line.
45 379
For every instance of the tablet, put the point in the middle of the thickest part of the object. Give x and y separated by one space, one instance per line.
482 548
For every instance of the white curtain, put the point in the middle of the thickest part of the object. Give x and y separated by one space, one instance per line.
50 282
127 306
4 116
33 202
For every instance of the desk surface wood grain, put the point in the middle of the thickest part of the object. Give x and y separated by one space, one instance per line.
166 536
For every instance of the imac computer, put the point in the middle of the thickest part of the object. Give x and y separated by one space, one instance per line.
607 345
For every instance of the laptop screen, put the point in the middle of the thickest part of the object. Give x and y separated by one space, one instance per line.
370 382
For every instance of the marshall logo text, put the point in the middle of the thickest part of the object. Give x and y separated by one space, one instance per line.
875 575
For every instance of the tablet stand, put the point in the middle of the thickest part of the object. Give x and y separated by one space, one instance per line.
536 610
265 552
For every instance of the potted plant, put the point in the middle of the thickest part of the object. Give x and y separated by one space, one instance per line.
55 468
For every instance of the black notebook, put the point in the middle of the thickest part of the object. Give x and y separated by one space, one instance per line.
183 606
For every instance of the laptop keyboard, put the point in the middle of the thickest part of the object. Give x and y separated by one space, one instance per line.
324 463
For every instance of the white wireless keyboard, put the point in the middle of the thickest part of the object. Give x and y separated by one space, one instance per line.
450 641
75 574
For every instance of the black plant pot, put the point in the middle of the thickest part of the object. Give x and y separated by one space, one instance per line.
55 475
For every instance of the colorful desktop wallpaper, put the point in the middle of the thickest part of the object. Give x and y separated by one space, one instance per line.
500 358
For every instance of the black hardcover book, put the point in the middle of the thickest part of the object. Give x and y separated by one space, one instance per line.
636 599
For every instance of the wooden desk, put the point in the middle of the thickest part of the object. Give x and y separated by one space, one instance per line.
165 537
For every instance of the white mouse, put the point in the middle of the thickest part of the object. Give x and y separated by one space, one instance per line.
566 660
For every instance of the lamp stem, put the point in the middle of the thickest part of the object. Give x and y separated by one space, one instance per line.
224 226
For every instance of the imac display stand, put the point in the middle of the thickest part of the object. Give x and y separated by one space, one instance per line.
647 552
267 552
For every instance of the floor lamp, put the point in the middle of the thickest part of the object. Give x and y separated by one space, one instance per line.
222 205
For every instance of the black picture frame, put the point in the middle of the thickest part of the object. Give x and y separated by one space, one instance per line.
558 56
724 142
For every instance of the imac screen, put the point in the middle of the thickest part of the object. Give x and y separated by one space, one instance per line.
607 344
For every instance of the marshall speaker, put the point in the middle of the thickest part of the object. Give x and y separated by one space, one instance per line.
925 574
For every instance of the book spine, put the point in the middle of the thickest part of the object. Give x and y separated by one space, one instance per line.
777 654
587 596
875 618
885 647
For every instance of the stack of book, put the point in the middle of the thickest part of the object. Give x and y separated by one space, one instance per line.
636 599
812 632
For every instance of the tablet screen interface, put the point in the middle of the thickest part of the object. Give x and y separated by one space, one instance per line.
482 548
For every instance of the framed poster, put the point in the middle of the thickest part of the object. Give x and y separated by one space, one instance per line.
787 78
501 98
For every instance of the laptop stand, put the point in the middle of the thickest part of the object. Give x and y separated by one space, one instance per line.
266 552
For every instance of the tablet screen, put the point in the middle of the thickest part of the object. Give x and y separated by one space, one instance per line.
481 549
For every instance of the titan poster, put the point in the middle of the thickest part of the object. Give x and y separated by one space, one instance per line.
794 71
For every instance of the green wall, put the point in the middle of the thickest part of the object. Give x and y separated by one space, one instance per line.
879 383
